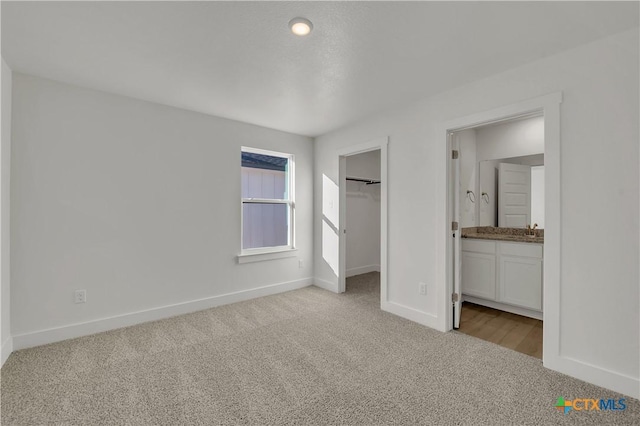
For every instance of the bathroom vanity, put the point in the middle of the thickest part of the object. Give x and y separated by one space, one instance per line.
502 268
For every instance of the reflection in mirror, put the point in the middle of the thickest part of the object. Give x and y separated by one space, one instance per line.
488 194
537 195
512 192
516 199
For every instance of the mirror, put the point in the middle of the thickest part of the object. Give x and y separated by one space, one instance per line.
502 174
511 192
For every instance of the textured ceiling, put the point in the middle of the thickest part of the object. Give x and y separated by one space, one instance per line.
238 59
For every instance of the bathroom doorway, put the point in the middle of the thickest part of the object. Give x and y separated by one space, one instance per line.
500 166
502 179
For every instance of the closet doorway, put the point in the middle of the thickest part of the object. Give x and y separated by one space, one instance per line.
363 222
363 219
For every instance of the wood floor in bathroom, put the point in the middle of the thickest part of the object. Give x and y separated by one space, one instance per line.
512 331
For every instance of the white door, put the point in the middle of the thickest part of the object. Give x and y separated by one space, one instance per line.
455 230
514 195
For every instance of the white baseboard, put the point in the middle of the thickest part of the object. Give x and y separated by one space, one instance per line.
411 314
5 350
362 270
572 367
327 285
43 337
599 376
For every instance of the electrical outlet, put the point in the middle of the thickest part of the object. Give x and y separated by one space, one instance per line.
300 264
422 289
81 296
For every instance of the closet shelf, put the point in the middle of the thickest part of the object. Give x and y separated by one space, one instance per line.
364 180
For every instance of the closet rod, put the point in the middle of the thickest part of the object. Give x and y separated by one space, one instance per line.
366 181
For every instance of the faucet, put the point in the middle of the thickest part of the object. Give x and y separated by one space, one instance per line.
531 230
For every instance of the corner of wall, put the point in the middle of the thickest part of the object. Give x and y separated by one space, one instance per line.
6 341
6 348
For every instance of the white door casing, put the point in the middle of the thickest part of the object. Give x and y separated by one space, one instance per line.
455 229
373 145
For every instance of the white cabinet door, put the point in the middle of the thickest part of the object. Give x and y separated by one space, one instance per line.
521 281
479 275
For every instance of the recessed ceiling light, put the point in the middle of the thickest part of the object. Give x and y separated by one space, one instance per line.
300 26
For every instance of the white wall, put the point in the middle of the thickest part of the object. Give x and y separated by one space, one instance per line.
488 183
511 139
5 191
137 203
537 196
363 214
529 160
468 180
599 332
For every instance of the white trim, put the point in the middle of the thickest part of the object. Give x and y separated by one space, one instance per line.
326 285
261 255
552 357
5 350
551 283
549 105
342 220
411 314
362 270
509 112
56 334
371 145
290 202
381 144
596 375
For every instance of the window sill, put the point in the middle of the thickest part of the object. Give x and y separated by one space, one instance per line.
260 256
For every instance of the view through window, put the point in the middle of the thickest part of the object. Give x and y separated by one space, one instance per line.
267 199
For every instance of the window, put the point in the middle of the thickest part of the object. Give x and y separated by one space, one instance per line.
267 201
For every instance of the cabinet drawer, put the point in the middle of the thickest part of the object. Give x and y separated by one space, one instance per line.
479 246
521 249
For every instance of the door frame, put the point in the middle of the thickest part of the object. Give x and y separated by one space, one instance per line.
373 145
549 107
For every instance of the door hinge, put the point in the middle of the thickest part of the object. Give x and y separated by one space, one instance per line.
454 154
454 226
454 297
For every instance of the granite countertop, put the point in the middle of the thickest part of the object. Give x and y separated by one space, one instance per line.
503 234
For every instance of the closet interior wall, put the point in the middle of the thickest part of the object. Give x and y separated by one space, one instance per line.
363 214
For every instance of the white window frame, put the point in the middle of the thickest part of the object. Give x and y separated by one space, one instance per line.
267 253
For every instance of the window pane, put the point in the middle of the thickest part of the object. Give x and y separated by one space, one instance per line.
265 225
264 176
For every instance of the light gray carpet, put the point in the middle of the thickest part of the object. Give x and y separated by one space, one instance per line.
302 357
